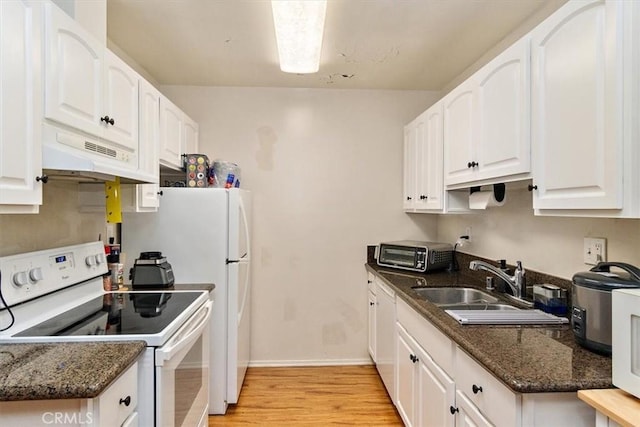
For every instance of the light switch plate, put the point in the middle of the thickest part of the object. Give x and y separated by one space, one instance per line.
595 250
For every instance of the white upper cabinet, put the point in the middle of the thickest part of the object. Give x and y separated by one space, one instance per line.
171 134
585 112
20 107
459 135
121 101
423 167
503 114
178 135
191 131
430 175
486 122
410 166
87 87
423 189
73 73
145 197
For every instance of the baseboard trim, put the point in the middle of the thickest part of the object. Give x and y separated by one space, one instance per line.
316 362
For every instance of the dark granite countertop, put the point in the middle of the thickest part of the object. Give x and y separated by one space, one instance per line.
528 359
79 370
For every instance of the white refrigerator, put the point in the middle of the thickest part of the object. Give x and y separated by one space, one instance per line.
205 235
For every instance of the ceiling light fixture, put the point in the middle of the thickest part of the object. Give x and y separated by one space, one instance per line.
299 26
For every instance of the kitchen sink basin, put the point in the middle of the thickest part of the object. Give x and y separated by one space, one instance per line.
477 306
440 296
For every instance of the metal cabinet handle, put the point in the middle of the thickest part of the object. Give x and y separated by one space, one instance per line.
532 187
475 389
472 164
160 193
126 401
453 410
108 120
44 179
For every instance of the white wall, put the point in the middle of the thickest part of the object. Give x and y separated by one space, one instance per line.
552 245
59 223
325 168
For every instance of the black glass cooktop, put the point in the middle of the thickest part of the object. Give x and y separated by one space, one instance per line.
127 313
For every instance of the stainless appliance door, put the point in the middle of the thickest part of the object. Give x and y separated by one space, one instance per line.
182 374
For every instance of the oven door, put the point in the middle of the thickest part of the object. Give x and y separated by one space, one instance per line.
182 374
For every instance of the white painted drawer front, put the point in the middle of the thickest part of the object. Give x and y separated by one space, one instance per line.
112 407
496 401
440 348
370 281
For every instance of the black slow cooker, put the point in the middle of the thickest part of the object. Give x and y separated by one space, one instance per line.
591 302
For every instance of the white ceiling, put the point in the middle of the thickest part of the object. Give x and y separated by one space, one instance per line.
368 44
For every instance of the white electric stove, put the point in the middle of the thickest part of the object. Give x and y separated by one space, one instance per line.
57 295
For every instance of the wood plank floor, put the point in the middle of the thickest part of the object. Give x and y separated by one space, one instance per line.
311 396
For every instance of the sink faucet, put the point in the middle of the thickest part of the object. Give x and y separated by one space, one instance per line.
517 282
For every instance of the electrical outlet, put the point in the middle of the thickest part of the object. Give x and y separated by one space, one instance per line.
467 232
595 250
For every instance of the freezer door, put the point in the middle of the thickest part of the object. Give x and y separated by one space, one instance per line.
239 349
239 224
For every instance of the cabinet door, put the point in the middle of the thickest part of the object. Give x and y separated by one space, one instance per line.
385 336
467 414
433 159
405 378
502 113
435 394
372 326
147 197
191 136
20 110
459 154
171 134
421 160
410 165
121 101
73 73
577 107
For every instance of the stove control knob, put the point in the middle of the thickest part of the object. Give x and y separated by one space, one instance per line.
36 274
20 278
100 258
90 260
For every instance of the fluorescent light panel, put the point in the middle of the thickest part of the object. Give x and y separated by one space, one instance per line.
299 26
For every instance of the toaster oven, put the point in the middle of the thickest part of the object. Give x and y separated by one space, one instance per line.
415 256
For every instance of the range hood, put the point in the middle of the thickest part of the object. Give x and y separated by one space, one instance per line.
71 156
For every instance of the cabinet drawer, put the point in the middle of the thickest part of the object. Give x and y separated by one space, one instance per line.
440 348
370 281
495 400
112 403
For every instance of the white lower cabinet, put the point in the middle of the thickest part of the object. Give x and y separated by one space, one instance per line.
385 338
371 316
115 406
485 392
439 384
425 393
467 414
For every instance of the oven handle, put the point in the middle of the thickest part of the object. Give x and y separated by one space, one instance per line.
185 336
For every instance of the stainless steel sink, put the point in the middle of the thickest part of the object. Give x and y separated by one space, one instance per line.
476 306
440 296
